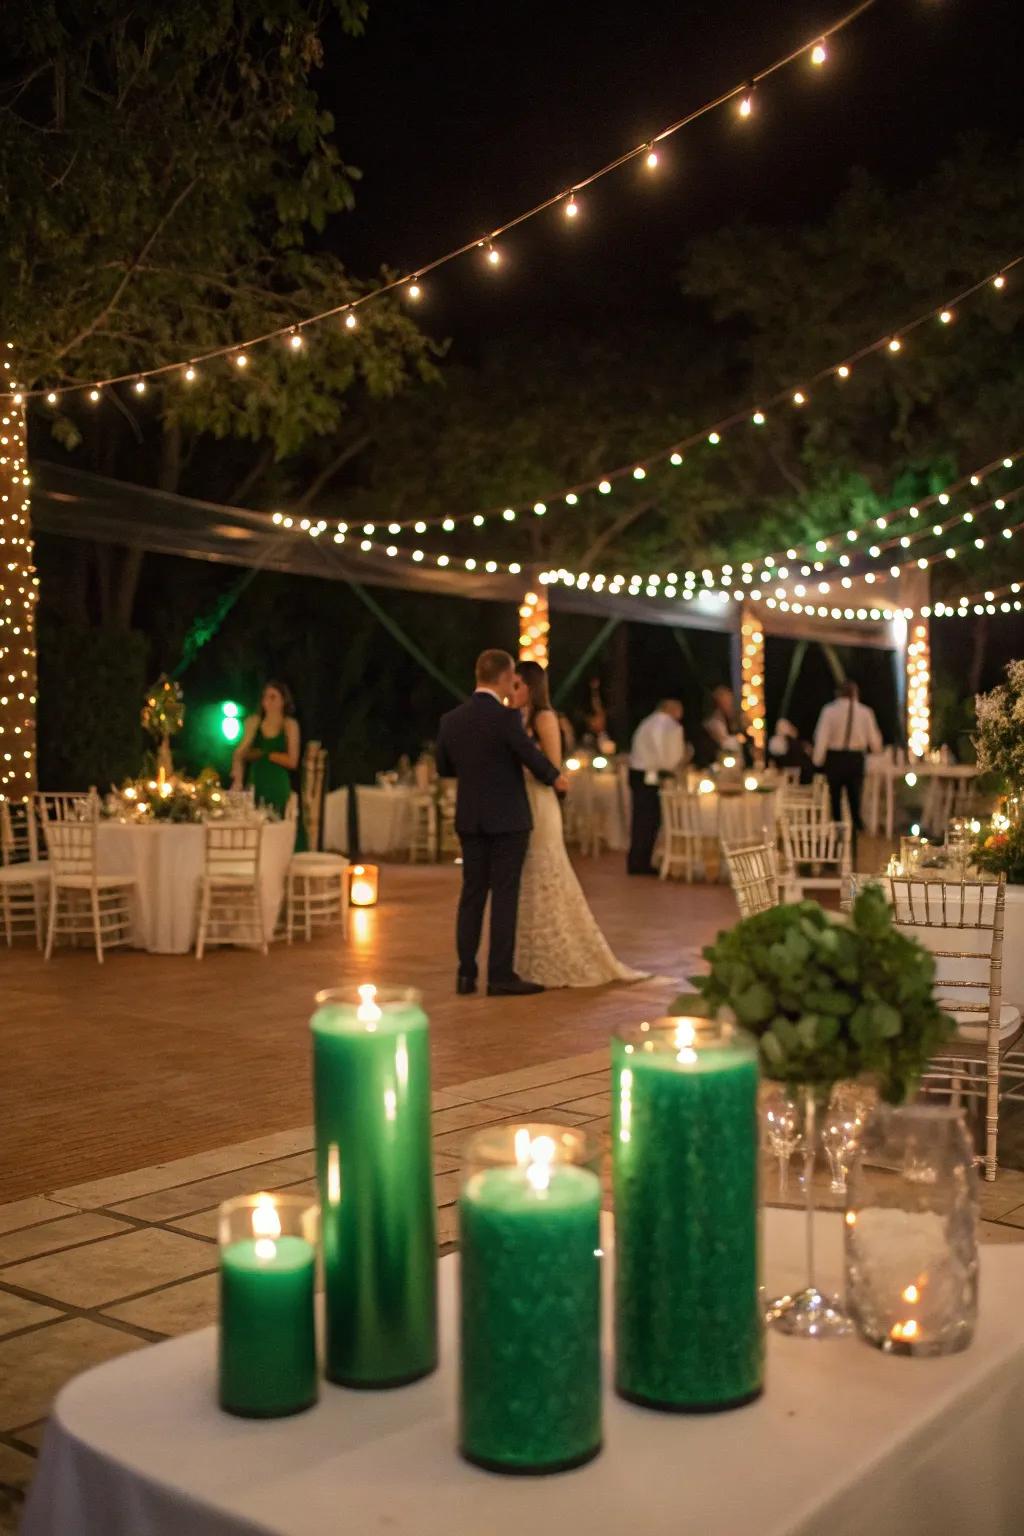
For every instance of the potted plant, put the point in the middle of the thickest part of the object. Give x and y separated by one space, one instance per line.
828 999
999 850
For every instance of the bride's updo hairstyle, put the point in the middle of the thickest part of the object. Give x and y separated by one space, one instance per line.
535 678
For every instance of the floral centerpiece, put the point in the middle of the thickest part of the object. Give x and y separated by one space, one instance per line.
828 1000
999 742
163 715
177 799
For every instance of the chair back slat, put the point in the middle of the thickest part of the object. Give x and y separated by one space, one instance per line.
754 873
19 840
682 812
961 924
233 848
72 847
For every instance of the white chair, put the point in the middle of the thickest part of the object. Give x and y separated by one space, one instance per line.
24 878
316 894
230 908
314 771
82 901
422 827
817 854
682 833
961 923
66 805
754 874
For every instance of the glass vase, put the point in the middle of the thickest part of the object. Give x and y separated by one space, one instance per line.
810 1313
911 1232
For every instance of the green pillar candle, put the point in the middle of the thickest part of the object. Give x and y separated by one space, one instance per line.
267 1331
371 1076
688 1326
530 1396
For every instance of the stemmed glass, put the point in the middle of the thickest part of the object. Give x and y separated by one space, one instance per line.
782 1119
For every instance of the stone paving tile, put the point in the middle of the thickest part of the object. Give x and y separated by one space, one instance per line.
996 1232
184 1170
597 1104
463 1117
202 1224
17 1312
25 1213
183 1199
175 1309
536 1077
107 1271
34 1366
66 1232
16 1471
528 1100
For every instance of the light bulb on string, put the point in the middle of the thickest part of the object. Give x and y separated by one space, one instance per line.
799 398
895 345
415 291
94 395
746 102
946 316
350 321
758 418
571 499
999 281
509 515
295 341
189 374
140 386
604 486
493 254
676 459
52 397
639 473
819 53
651 158
714 439
538 507
478 521
843 371
241 360
572 207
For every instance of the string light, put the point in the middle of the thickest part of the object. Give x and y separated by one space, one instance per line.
752 673
414 291
493 254
746 102
140 386
946 316
895 345
190 374
643 149
534 627
572 207
241 360
819 53
999 281
350 321
651 159
295 341
19 589
918 688
52 397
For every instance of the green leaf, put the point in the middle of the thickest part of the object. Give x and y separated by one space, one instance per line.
754 1004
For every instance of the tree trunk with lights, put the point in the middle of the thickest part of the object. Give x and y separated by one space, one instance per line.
18 594
915 590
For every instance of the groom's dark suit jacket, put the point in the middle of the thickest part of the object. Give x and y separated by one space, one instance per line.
484 746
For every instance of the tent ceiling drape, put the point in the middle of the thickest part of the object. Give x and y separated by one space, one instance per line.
74 504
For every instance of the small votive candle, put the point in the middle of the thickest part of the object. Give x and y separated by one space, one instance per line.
267 1332
364 885
529 1213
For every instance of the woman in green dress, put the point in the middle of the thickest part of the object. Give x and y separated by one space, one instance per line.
269 748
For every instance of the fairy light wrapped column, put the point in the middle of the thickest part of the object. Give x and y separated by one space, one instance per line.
752 662
916 591
19 592
534 625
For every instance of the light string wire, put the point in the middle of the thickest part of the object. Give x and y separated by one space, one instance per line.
483 242
711 434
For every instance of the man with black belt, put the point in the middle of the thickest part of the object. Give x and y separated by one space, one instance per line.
659 749
846 732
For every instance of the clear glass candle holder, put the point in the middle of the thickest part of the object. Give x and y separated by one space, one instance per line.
911 1232
530 1305
268 1365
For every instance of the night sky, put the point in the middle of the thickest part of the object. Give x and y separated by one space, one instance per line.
461 114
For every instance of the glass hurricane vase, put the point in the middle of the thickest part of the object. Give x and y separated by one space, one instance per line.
810 1312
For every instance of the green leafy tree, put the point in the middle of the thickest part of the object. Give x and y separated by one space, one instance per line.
162 168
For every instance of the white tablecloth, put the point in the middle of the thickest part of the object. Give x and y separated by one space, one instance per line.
608 800
845 1442
167 862
882 776
384 824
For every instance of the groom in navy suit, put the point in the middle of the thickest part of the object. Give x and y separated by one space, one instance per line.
484 745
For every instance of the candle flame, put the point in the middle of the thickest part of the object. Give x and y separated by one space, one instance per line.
905 1332
685 1036
368 1013
265 1220
265 1248
535 1154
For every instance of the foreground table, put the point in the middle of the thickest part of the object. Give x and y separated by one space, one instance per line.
167 860
844 1442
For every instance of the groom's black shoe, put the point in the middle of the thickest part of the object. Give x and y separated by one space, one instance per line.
513 986
465 985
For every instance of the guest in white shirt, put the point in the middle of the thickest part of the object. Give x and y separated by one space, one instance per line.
846 732
658 750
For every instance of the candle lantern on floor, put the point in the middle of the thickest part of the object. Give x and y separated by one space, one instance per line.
267 1332
371 1080
529 1216
684 1148
363 885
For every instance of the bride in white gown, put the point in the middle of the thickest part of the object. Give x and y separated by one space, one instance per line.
558 942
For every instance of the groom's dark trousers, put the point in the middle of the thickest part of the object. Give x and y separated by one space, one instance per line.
483 745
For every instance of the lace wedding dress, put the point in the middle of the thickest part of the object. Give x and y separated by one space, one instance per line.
558 942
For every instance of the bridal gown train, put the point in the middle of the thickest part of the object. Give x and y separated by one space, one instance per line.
558 942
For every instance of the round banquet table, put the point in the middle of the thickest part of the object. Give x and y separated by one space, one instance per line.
167 861
384 818
844 1441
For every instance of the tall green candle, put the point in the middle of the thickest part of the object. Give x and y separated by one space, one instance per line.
688 1326
267 1331
371 1079
530 1398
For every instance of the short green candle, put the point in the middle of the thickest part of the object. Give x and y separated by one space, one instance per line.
371 1079
267 1332
530 1279
688 1325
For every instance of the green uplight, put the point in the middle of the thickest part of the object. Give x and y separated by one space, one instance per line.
230 724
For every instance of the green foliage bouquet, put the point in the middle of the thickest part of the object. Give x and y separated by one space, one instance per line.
1000 728
828 999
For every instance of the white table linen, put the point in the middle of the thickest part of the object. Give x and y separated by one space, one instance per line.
609 797
385 824
167 861
845 1441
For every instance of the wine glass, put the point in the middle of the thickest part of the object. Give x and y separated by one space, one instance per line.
782 1121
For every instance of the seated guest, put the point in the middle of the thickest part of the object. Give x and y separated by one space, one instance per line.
786 750
659 750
